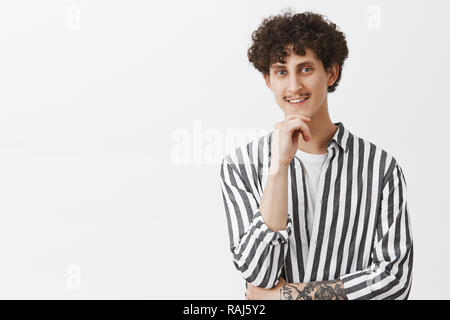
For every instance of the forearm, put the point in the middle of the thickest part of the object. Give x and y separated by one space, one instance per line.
274 203
317 290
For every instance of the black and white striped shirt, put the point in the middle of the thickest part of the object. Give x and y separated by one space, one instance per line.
361 231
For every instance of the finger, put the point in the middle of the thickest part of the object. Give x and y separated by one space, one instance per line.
297 124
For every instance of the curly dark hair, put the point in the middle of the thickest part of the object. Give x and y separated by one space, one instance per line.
302 31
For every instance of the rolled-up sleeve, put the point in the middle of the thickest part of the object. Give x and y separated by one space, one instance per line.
257 251
389 275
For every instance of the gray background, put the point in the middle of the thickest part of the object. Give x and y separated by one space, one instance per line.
93 201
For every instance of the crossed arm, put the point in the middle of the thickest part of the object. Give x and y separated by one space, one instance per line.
316 290
258 251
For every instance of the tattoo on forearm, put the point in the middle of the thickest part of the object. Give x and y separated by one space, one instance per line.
318 290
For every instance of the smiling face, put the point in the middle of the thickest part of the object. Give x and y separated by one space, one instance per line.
300 85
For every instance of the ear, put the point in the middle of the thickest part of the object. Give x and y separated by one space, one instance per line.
267 80
333 73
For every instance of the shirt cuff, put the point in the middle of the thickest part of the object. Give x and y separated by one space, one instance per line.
357 283
263 233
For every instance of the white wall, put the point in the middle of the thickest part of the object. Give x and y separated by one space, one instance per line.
94 202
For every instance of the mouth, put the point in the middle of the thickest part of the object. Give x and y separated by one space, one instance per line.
297 101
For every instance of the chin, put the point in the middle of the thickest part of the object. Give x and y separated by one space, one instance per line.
297 113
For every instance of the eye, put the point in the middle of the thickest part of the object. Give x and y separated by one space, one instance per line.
276 72
306 68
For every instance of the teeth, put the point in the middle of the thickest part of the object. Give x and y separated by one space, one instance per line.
298 100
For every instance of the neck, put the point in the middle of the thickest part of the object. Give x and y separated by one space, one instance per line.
322 130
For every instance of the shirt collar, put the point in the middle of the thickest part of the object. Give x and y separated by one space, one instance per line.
340 137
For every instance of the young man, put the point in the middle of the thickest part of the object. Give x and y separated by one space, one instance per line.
314 211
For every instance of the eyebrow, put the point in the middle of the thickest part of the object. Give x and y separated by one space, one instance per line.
278 65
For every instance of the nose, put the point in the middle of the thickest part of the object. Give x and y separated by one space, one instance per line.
294 84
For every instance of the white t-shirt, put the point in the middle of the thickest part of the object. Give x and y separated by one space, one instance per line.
313 164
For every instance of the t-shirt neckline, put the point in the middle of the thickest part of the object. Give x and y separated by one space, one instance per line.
311 156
